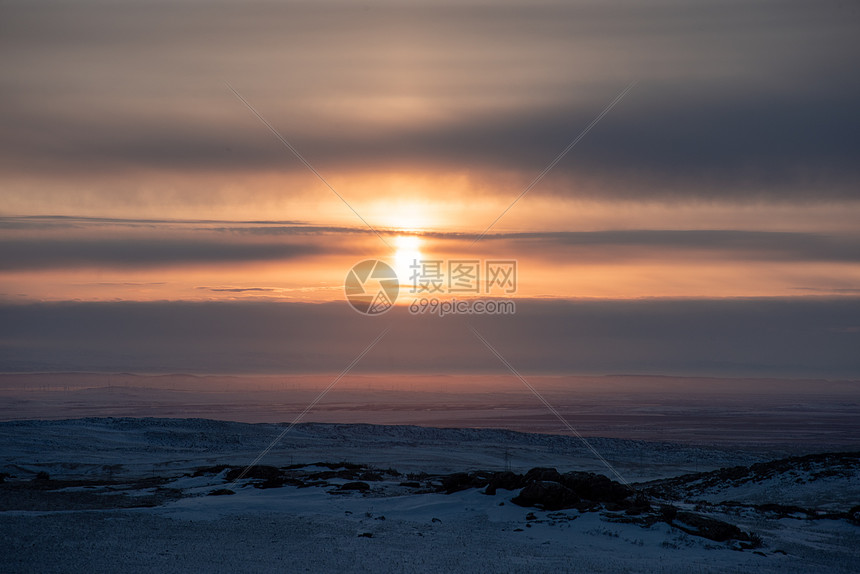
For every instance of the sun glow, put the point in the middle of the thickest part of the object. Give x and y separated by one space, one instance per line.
408 252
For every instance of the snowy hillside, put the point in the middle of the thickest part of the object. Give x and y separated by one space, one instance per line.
156 495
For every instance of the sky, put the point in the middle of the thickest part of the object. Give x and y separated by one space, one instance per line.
154 215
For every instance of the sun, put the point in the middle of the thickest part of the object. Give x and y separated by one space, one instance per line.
407 253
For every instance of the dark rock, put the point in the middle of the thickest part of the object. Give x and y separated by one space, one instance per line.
456 482
257 471
362 486
343 474
411 484
221 492
782 510
709 528
462 480
210 470
506 480
854 515
668 512
278 482
547 495
639 505
337 465
329 474
543 474
755 541
596 487
366 535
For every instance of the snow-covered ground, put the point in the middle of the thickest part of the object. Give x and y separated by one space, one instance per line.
765 413
83 447
132 495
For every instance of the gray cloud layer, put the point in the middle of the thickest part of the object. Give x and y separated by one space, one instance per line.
737 98
210 242
779 337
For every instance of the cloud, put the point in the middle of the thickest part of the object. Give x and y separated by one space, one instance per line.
80 221
32 254
249 227
846 291
239 289
738 147
797 337
733 244
737 101
628 244
130 243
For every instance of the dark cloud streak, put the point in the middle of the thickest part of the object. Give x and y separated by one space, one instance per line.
737 244
213 242
36 254
720 146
